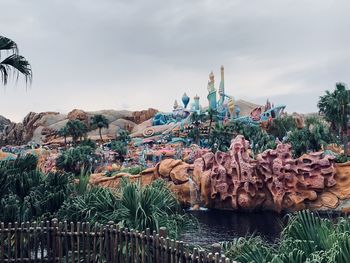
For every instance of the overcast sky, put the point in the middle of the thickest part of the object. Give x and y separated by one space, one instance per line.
128 54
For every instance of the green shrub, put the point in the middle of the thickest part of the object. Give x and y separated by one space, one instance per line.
313 137
132 170
342 158
130 205
75 159
306 238
88 142
27 194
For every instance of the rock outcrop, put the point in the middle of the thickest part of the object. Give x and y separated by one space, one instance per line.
273 181
42 127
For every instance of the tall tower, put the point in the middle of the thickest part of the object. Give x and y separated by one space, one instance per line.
212 92
222 87
196 102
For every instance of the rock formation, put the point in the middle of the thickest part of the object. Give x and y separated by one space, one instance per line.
42 127
233 180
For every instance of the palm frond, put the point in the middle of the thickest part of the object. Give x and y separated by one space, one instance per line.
17 63
8 44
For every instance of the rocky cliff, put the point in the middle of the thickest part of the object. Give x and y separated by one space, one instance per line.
42 127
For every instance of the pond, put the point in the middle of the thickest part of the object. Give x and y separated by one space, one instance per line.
218 225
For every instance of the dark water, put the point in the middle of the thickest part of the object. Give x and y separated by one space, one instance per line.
217 226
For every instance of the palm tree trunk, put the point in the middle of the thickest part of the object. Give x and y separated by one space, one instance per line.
100 134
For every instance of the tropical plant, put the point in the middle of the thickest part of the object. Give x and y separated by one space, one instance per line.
99 121
88 142
130 205
306 238
313 137
27 194
75 159
132 170
212 114
64 133
14 63
259 139
279 127
196 120
220 138
335 106
123 136
76 129
121 148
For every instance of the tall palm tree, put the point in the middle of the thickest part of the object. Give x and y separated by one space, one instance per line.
335 106
212 114
13 63
197 119
99 121
63 132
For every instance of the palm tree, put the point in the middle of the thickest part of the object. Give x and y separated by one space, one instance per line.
14 62
99 121
335 106
196 120
76 129
64 133
212 114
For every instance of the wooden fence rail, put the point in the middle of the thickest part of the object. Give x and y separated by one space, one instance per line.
54 241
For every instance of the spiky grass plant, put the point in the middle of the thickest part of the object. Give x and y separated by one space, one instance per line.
306 238
131 205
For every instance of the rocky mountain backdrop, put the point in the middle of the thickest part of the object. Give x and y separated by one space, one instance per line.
42 127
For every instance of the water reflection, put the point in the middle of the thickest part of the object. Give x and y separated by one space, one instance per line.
217 226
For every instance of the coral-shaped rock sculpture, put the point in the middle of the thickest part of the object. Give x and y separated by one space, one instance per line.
274 181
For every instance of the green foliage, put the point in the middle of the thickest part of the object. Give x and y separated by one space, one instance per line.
281 126
133 170
99 121
14 64
123 136
130 206
120 147
220 138
27 194
88 142
341 158
75 159
258 138
335 106
196 120
76 129
306 238
312 137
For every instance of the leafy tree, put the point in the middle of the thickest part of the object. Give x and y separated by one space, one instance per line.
88 142
281 126
64 133
212 114
196 120
312 137
76 129
259 139
14 63
99 121
220 138
121 148
335 106
123 136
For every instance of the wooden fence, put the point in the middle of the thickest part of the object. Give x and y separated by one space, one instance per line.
54 241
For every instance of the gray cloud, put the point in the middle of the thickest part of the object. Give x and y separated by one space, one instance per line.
109 54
